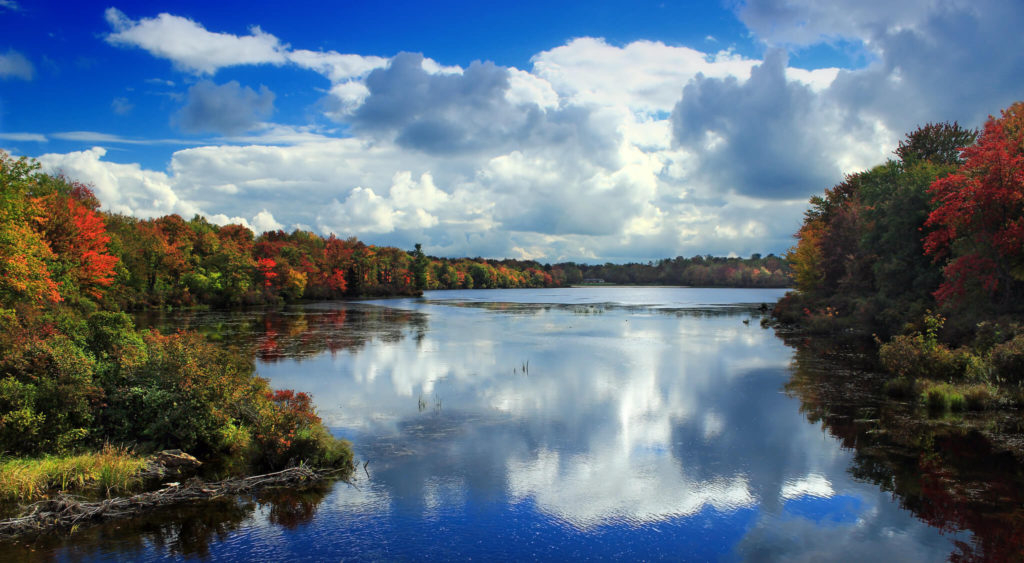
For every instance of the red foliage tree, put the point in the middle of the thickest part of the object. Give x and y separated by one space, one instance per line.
239 235
77 234
978 222
266 268
336 281
96 266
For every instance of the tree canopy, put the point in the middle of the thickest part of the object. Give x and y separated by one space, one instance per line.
942 226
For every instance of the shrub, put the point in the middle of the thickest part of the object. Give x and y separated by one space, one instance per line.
901 388
192 395
236 439
978 368
113 336
920 355
20 422
1007 360
186 395
824 321
902 356
911 357
987 335
979 397
789 309
289 432
55 383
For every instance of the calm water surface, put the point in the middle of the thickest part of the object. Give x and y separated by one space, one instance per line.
596 423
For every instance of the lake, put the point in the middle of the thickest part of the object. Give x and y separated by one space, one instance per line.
603 423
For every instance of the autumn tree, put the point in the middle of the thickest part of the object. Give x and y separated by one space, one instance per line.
859 255
977 227
24 253
76 232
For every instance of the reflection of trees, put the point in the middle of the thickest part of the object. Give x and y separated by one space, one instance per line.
586 309
179 531
295 333
955 475
292 508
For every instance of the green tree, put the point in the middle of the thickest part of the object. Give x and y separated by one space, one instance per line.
419 267
940 143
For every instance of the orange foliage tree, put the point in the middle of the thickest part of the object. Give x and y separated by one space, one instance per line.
76 232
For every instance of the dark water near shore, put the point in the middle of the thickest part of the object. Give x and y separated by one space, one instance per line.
596 423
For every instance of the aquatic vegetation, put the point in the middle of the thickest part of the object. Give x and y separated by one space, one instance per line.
942 398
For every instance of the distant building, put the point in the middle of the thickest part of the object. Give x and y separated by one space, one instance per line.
593 280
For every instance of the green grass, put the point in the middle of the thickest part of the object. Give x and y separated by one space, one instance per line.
942 397
108 471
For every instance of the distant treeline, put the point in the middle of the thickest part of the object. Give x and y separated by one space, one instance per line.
701 271
124 262
171 261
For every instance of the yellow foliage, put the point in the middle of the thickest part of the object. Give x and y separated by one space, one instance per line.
805 258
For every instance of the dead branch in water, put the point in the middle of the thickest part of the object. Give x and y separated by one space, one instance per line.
65 512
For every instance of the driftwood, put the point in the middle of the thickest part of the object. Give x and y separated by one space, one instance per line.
66 512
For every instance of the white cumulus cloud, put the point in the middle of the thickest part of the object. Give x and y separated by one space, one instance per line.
598 151
190 46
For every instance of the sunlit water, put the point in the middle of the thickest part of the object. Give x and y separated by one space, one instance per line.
599 423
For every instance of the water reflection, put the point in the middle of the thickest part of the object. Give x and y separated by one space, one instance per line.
183 531
961 473
562 426
294 333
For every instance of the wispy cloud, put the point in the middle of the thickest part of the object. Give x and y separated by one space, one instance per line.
24 137
14 65
96 137
122 106
275 134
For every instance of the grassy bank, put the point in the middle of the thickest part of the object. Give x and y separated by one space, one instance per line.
110 471
984 373
117 471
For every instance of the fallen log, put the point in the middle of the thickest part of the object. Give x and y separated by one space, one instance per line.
65 512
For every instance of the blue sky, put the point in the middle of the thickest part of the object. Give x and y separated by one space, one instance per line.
552 130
